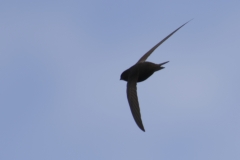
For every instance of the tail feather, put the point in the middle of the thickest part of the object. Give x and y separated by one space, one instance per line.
159 66
163 63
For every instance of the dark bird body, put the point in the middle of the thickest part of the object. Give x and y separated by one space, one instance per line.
145 70
139 72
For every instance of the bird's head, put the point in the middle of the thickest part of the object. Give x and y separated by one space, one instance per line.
124 76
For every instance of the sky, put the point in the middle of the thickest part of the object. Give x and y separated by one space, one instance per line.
60 91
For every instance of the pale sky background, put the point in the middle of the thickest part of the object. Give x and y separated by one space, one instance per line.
60 93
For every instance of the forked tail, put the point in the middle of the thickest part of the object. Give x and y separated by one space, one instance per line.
160 65
163 63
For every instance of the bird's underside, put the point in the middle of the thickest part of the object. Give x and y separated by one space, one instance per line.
138 73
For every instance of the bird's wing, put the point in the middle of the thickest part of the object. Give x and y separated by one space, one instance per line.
133 100
146 55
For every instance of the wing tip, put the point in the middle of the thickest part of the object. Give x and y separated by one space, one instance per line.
141 127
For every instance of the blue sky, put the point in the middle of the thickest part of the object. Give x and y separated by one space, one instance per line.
60 93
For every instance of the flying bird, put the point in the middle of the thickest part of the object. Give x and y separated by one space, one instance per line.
139 72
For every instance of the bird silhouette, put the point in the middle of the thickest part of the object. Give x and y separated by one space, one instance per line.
139 72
